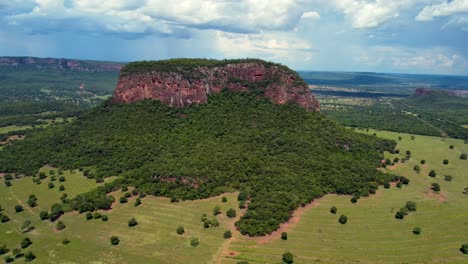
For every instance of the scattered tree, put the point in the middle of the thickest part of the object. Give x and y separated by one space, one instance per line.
216 210
343 219
417 230
284 235
288 257
399 215
4 218
399 184
423 162
51 185
123 200
132 222
43 215
66 241
62 179
104 218
180 230
448 178
435 187
333 210
26 242
60 226
8 259
386 185
432 173
56 211
388 162
451 146
61 188
7 183
464 249
3 249
114 240
396 160
97 215
89 216
416 168
137 202
411 206
26 226
223 199
29 256
194 242
18 208
463 156
227 234
231 213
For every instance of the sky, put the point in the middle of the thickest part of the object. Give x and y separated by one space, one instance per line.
402 36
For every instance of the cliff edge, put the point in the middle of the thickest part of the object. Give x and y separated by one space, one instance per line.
183 82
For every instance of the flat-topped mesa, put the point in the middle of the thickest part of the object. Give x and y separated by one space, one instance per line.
182 82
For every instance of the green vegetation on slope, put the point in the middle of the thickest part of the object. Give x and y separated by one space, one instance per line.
279 156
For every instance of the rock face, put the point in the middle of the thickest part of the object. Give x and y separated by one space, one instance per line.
182 82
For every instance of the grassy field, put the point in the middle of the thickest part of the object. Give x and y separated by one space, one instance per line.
372 234
153 240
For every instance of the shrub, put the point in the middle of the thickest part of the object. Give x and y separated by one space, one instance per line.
417 230
227 234
464 248
284 235
435 187
114 240
60 226
66 241
29 256
333 210
89 216
423 162
223 199
194 242
26 242
123 200
288 257
104 218
343 219
216 210
445 162
18 208
132 222
463 156
448 178
231 213
180 230
432 173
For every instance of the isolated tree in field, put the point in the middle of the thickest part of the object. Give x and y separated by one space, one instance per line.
343 219
114 240
227 234
231 213
216 210
464 248
423 162
132 222
223 199
194 242
180 230
43 215
411 206
416 168
333 210
60 226
432 173
137 202
288 257
29 256
26 242
463 156
435 187
18 208
284 235
417 230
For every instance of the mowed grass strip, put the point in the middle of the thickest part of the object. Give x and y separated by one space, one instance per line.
372 234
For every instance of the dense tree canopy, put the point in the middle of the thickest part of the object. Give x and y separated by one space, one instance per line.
278 156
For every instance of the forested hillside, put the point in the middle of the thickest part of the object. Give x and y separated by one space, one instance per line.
279 156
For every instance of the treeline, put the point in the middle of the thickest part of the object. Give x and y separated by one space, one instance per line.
278 156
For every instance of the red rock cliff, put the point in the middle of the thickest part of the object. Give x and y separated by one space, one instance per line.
183 85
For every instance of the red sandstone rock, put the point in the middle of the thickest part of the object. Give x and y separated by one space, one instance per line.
176 89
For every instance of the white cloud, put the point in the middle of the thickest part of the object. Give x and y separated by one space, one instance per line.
371 14
159 16
311 15
444 9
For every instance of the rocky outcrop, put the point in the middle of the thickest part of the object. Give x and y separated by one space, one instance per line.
184 82
62 64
